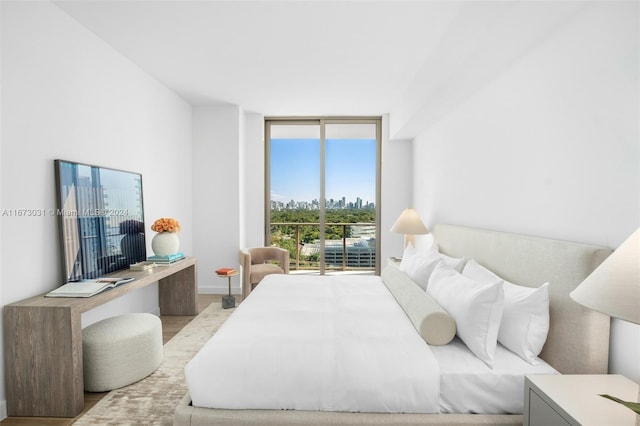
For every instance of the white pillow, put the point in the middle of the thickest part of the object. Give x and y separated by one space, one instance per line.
456 263
419 265
477 309
525 321
427 241
409 252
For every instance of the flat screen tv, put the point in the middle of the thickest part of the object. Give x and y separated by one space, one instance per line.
100 219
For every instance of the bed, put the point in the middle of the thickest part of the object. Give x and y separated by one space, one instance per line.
577 342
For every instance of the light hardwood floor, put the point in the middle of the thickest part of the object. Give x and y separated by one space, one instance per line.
171 325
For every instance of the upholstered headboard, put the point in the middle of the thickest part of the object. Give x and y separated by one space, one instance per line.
578 340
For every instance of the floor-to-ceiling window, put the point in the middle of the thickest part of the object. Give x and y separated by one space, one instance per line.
322 192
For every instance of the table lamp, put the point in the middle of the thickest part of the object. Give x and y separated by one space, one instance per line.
409 224
613 288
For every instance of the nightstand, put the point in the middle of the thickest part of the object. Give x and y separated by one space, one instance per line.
574 399
394 261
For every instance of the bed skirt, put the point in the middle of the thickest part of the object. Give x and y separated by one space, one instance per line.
188 415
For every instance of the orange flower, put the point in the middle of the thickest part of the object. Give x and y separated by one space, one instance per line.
166 224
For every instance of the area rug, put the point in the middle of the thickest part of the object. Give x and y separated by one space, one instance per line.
152 400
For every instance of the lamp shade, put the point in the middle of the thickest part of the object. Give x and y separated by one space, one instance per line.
613 288
409 223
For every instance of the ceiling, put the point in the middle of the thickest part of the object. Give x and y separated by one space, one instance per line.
297 58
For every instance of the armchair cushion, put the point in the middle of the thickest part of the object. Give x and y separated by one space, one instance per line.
259 271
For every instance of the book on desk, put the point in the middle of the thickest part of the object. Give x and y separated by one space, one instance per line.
87 288
166 260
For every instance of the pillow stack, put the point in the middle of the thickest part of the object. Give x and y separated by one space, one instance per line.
486 308
525 321
419 265
477 309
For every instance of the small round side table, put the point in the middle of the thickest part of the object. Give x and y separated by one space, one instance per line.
228 301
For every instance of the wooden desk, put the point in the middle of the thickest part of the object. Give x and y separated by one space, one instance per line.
43 339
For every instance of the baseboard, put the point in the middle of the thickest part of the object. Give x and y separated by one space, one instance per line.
3 409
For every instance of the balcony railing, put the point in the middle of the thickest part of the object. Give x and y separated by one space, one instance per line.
346 253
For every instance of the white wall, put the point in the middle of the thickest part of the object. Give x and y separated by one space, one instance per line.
550 147
252 182
396 190
66 94
217 133
228 202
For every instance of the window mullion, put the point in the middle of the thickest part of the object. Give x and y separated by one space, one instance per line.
322 197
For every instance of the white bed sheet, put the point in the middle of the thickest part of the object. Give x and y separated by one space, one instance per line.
468 385
317 343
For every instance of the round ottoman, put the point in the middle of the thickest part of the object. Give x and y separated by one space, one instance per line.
121 350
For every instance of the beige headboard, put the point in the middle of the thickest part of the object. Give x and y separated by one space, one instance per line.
578 341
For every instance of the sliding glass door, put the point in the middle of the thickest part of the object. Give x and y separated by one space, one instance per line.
322 191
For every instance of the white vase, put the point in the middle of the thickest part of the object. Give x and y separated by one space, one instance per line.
165 243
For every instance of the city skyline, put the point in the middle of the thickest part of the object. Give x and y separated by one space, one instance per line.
331 203
350 169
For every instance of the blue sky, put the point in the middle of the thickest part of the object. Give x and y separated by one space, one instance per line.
295 169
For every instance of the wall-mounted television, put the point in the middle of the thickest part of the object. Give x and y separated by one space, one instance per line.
100 219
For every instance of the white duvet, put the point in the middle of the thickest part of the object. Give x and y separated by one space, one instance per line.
468 385
322 343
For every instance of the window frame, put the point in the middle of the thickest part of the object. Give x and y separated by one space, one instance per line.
322 122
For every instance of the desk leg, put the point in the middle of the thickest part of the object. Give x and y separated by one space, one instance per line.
179 293
43 361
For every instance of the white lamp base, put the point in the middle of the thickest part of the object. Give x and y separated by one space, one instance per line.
409 238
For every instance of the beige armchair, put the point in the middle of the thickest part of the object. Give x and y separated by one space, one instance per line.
258 262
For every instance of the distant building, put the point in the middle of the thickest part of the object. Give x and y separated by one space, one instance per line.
361 252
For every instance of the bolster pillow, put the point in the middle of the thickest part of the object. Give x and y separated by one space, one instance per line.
433 323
